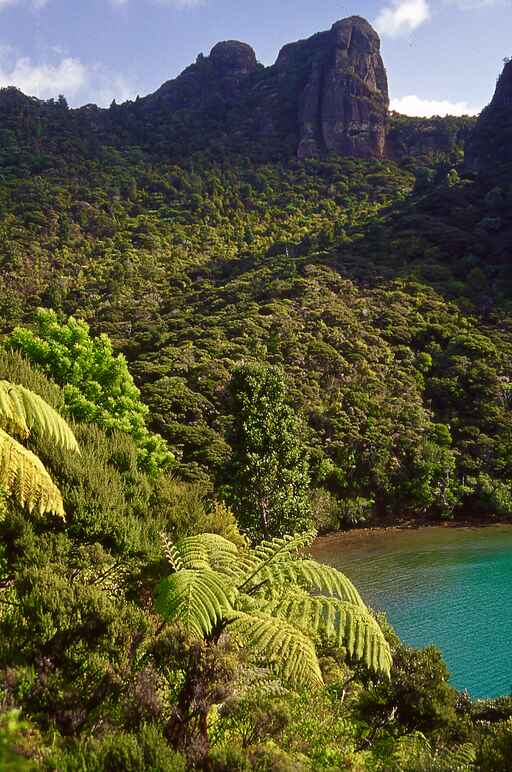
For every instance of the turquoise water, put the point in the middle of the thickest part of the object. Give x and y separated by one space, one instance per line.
448 586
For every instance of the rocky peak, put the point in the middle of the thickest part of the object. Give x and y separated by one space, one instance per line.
233 58
489 145
503 95
326 93
343 93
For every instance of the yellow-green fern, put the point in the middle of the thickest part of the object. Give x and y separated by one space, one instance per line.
22 473
262 598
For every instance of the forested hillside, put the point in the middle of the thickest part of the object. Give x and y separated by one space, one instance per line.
220 328
380 287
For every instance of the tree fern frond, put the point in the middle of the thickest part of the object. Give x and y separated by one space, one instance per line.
283 547
346 624
23 475
198 599
278 550
11 409
460 759
192 554
26 411
209 550
281 645
308 574
222 553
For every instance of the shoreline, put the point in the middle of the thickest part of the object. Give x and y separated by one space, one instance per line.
412 525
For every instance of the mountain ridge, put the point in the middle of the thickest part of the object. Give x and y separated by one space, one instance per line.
325 93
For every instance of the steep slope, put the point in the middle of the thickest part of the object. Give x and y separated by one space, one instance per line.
489 149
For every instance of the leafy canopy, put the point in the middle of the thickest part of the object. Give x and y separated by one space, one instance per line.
98 387
267 599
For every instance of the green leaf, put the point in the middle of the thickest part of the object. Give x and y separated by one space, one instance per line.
199 599
23 475
288 651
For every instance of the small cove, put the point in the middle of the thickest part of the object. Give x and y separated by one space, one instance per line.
448 586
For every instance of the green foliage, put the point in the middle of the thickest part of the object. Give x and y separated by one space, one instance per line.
256 597
267 471
145 751
496 749
418 695
97 385
382 290
15 743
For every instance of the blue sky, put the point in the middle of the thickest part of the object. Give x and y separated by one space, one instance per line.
441 55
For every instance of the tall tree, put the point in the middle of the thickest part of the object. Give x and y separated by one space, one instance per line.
98 387
267 475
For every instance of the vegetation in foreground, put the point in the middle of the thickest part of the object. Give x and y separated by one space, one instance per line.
142 631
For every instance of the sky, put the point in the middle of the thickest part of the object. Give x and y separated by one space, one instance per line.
442 56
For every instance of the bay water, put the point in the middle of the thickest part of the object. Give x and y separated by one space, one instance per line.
448 586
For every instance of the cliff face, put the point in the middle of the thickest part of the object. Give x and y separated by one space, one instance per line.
490 145
342 91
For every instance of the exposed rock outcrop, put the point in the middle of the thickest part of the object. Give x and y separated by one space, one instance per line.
328 93
342 90
213 80
490 144
233 58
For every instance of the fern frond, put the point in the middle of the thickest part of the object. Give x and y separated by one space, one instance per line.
280 549
460 759
308 574
192 554
348 625
26 411
209 550
198 599
23 475
283 547
279 644
171 552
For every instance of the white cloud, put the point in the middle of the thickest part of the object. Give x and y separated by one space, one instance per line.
418 107
402 16
104 87
79 83
44 80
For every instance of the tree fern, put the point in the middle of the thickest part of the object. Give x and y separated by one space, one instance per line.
209 550
21 472
199 599
25 411
262 597
306 573
346 624
23 475
282 547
